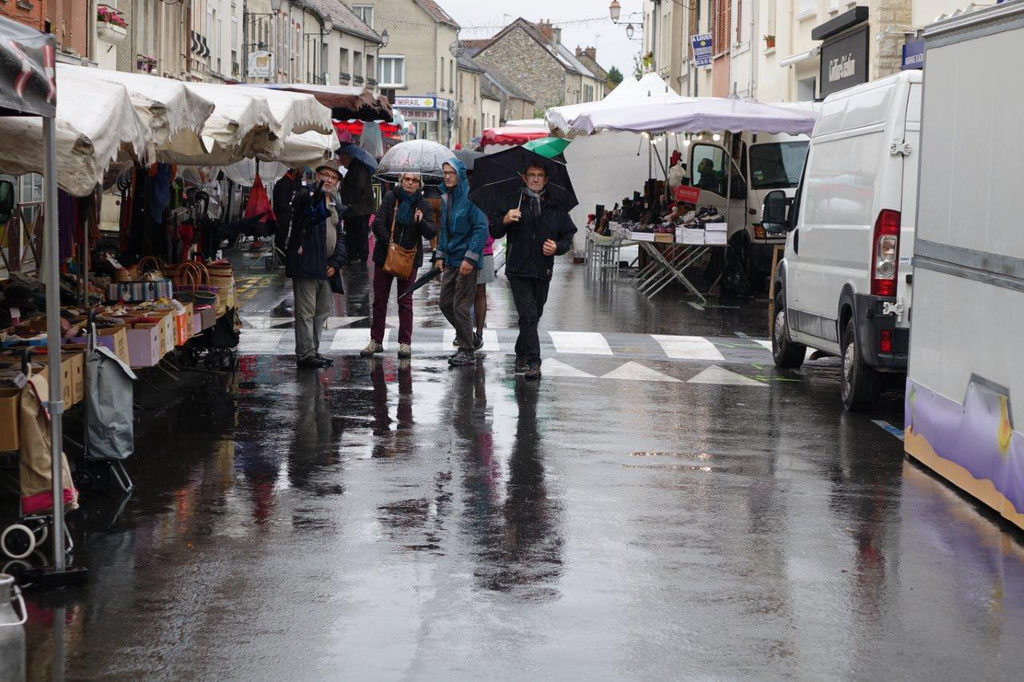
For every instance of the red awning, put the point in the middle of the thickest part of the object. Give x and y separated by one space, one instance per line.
512 136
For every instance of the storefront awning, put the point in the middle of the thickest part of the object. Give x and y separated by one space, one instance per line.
89 137
511 136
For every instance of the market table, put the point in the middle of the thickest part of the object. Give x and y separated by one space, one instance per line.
603 250
662 270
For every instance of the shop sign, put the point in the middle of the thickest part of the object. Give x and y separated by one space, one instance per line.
420 114
261 64
703 47
844 62
913 55
687 194
415 102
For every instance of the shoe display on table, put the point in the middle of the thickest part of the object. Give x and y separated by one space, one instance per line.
463 357
404 350
533 371
372 348
311 362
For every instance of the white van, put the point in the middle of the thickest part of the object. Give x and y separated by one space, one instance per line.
766 163
843 286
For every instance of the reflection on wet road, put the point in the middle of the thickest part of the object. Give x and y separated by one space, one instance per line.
388 520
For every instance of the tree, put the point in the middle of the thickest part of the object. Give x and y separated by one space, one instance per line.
614 78
638 67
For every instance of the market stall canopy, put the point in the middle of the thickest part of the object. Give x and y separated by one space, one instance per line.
511 135
308 149
296 112
89 137
650 90
26 62
241 126
174 112
695 115
344 102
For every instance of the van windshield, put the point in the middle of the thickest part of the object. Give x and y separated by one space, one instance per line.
777 165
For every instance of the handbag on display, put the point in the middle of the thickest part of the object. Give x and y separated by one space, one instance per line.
400 261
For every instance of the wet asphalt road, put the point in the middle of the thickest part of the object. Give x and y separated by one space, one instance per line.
387 520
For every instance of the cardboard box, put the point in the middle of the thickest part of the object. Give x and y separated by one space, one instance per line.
145 344
716 227
183 326
169 334
10 401
642 236
209 317
712 238
664 237
71 364
691 236
113 338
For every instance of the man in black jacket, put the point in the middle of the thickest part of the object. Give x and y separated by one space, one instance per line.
538 230
316 251
357 194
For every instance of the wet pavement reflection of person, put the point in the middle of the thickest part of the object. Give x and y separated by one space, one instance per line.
386 443
518 538
315 436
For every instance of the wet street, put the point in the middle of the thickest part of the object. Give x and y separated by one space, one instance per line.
663 504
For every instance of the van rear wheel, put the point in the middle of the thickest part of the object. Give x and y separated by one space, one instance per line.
785 353
860 384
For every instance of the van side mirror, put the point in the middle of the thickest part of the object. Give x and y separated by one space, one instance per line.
6 201
773 216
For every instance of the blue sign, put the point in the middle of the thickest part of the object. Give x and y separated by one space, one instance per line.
913 55
703 47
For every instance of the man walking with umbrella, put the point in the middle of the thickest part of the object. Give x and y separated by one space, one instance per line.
357 194
538 229
459 255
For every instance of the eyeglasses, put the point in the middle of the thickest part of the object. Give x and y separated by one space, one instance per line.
449 173
327 176
414 181
536 176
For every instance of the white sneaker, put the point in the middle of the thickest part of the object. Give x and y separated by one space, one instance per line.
404 350
372 348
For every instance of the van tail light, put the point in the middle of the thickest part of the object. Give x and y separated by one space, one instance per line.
885 258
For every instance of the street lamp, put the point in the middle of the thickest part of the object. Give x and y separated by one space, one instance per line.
629 31
384 37
615 10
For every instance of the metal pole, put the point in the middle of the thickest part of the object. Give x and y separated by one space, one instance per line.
55 404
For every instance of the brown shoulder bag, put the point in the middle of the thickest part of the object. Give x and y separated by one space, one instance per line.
400 261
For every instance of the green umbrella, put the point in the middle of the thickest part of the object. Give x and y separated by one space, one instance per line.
548 147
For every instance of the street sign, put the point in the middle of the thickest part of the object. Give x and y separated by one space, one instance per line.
913 55
261 64
703 47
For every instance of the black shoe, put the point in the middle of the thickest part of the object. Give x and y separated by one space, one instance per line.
478 341
463 357
312 362
521 365
533 371
327 361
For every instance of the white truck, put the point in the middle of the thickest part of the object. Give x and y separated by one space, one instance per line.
766 163
844 284
965 387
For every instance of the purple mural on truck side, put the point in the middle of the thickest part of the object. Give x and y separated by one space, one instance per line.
978 435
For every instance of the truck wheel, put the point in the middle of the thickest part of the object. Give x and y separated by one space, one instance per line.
860 384
785 352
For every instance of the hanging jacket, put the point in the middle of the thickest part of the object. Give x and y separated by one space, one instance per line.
407 236
463 226
309 230
525 244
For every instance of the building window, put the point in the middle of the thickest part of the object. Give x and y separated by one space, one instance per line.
739 22
451 76
392 71
365 13
344 68
358 67
721 23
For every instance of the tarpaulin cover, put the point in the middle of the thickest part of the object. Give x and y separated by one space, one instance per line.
695 115
649 90
109 405
27 58
345 102
89 138
511 136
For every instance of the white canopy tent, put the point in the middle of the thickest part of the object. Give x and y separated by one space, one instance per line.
89 137
174 112
299 151
651 89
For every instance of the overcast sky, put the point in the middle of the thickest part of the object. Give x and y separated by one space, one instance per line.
583 22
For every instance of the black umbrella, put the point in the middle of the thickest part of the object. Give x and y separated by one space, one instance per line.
468 158
423 279
497 176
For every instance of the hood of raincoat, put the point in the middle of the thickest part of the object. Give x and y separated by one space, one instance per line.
458 198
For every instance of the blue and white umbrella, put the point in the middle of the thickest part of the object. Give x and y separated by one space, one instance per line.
361 155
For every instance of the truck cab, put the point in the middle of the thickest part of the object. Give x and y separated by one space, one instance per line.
759 164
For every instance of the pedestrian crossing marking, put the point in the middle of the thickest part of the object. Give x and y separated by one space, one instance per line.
688 348
352 339
587 343
634 371
764 344
556 368
719 375
263 340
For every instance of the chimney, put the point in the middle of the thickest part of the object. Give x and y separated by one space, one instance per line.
557 40
545 28
590 52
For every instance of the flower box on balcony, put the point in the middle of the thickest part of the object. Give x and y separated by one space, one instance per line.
110 32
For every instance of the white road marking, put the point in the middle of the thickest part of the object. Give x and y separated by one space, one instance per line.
261 341
634 371
354 339
555 368
767 344
698 306
589 343
491 341
688 348
718 375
